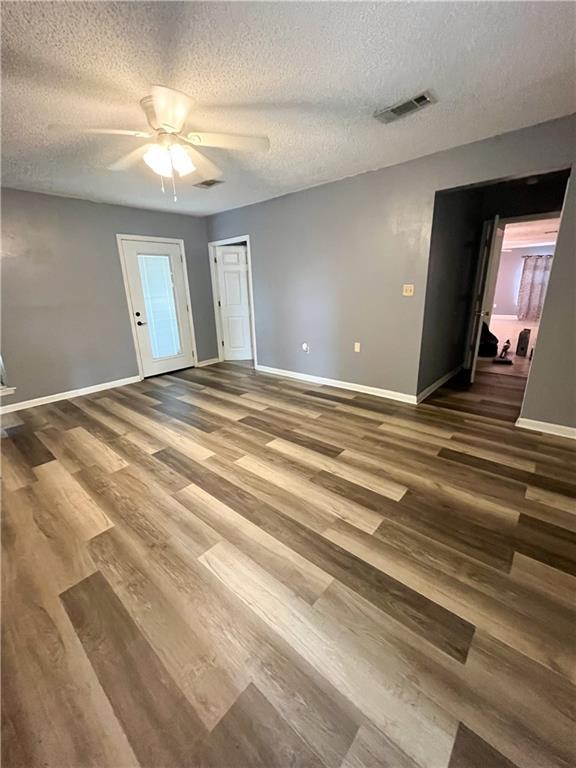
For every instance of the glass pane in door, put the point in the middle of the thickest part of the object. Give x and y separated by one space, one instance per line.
160 303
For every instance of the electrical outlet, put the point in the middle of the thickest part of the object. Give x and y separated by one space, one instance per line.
356 346
408 289
306 347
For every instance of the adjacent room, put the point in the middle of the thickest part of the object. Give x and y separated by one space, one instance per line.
288 384
517 297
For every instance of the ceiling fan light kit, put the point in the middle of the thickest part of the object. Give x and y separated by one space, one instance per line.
173 151
165 158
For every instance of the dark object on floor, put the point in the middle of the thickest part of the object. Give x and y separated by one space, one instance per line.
488 343
523 342
503 358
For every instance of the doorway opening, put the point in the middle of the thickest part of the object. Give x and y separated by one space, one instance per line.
491 254
232 293
515 293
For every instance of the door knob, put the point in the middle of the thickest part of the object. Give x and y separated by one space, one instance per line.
141 323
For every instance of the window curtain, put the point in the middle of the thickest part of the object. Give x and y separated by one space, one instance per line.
533 284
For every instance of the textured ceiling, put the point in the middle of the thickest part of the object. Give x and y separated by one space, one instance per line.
309 75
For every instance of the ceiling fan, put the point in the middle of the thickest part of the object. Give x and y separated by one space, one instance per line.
173 151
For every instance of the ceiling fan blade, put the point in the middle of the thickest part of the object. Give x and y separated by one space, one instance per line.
171 107
205 167
127 161
230 141
115 132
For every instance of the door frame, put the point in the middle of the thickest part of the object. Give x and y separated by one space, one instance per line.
212 246
153 239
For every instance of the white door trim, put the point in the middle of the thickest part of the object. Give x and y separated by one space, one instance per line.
154 239
213 276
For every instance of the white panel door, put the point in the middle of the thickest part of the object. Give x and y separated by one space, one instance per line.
156 285
234 301
490 248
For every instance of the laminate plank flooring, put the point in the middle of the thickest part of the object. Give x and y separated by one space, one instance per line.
492 395
160 723
218 568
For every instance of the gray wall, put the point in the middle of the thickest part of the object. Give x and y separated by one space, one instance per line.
509 274
451 271
329 262
507 282
551 392
328 268
65 321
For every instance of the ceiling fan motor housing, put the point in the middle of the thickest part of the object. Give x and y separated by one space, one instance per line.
147 105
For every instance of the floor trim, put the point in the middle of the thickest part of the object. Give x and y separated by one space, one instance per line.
66 395
389 394
210 361
437 384
545 426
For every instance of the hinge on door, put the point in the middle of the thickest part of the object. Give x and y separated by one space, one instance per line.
215 260
222 342
219 303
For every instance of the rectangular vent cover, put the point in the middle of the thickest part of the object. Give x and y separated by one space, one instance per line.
404 108
209 183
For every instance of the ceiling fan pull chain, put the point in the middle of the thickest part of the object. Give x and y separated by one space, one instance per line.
173 176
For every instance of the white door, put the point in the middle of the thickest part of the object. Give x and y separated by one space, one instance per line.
489 259
234 301
158 299
492 273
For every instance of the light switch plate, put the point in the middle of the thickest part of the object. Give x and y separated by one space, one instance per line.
408 289
356 346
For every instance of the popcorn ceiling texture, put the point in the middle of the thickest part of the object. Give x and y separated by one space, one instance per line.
309 75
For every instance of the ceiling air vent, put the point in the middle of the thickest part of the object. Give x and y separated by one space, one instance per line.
404 108
209 183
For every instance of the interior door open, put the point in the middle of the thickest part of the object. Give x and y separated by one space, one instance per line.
158 300
233 296
488 261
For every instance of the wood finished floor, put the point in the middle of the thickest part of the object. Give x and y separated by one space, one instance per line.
222 569
496 393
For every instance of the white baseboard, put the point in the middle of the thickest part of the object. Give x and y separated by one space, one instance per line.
550 429
386 393
67 395
211 361
437 384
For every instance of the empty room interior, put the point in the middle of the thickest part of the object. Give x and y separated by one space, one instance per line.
288 384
